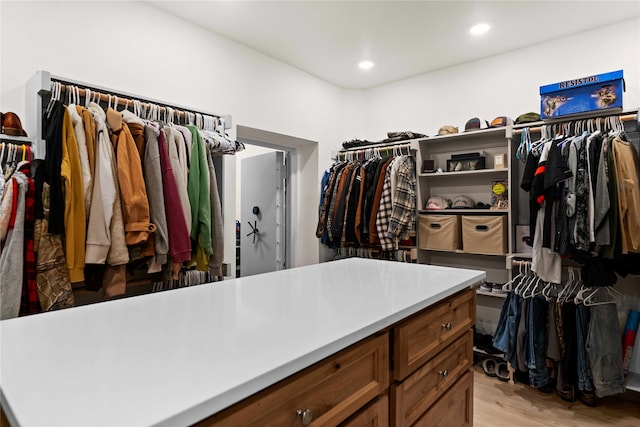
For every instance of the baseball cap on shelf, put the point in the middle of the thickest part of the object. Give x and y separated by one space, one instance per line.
437 202
475 124
462 202
447 130
501 121
528 118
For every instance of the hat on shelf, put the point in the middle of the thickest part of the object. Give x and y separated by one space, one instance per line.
437 203
447 130
528 118
501 121
475 124
11 124
462 202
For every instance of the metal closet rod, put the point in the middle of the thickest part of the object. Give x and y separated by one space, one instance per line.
624 117
380 149
125 99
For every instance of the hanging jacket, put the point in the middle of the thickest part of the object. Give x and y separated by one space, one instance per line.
626 161
12 258
217 232
174 140
373 230
200 200
52 276
136 127
103 196
81 141
179 242
53 162
135 205
74 202
403 214
117 251
90 138
384 211
153 177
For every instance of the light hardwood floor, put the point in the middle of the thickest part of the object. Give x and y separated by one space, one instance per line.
498 404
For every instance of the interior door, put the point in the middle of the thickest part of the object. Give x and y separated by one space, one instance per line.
262 205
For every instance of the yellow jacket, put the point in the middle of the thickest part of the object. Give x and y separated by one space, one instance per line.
74 209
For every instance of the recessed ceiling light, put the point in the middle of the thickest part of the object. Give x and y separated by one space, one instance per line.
365 65
479 29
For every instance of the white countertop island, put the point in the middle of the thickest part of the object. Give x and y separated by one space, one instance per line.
176 357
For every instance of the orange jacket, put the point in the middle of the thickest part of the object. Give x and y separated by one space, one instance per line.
135 205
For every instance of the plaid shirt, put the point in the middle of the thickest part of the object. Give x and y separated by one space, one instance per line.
384 212
403 214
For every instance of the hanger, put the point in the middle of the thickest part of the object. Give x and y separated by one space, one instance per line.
551 291
508 287
608 294
525 281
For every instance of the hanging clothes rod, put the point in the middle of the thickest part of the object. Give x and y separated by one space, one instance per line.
129 101
624 117
368 152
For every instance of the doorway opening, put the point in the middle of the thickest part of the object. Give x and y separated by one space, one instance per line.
262 210
301 192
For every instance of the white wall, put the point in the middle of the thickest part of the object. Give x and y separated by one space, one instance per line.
506 84
134 47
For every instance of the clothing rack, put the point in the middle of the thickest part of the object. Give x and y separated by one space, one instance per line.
14 151
572 121
364 153
39 90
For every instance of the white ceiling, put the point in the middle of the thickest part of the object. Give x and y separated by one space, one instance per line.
404 38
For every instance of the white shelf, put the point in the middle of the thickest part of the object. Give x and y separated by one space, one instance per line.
459 251
19 139
502 171
499 132
463 211
491 294
633 381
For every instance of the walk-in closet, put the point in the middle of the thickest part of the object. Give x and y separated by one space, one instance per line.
320 213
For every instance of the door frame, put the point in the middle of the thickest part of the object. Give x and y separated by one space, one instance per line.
302 180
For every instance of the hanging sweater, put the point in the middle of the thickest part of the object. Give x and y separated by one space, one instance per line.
174 140
74 202
179 242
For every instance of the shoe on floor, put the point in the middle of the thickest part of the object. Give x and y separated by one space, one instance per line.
588 398
502 371
489 366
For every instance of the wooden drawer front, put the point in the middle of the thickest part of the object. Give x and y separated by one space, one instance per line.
454 409
428 332
376 414
332 389
420 390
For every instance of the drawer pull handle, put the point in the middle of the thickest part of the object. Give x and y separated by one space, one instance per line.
446 326
306 415
443 373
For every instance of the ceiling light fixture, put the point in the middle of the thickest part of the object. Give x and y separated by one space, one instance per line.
478 29
365 65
